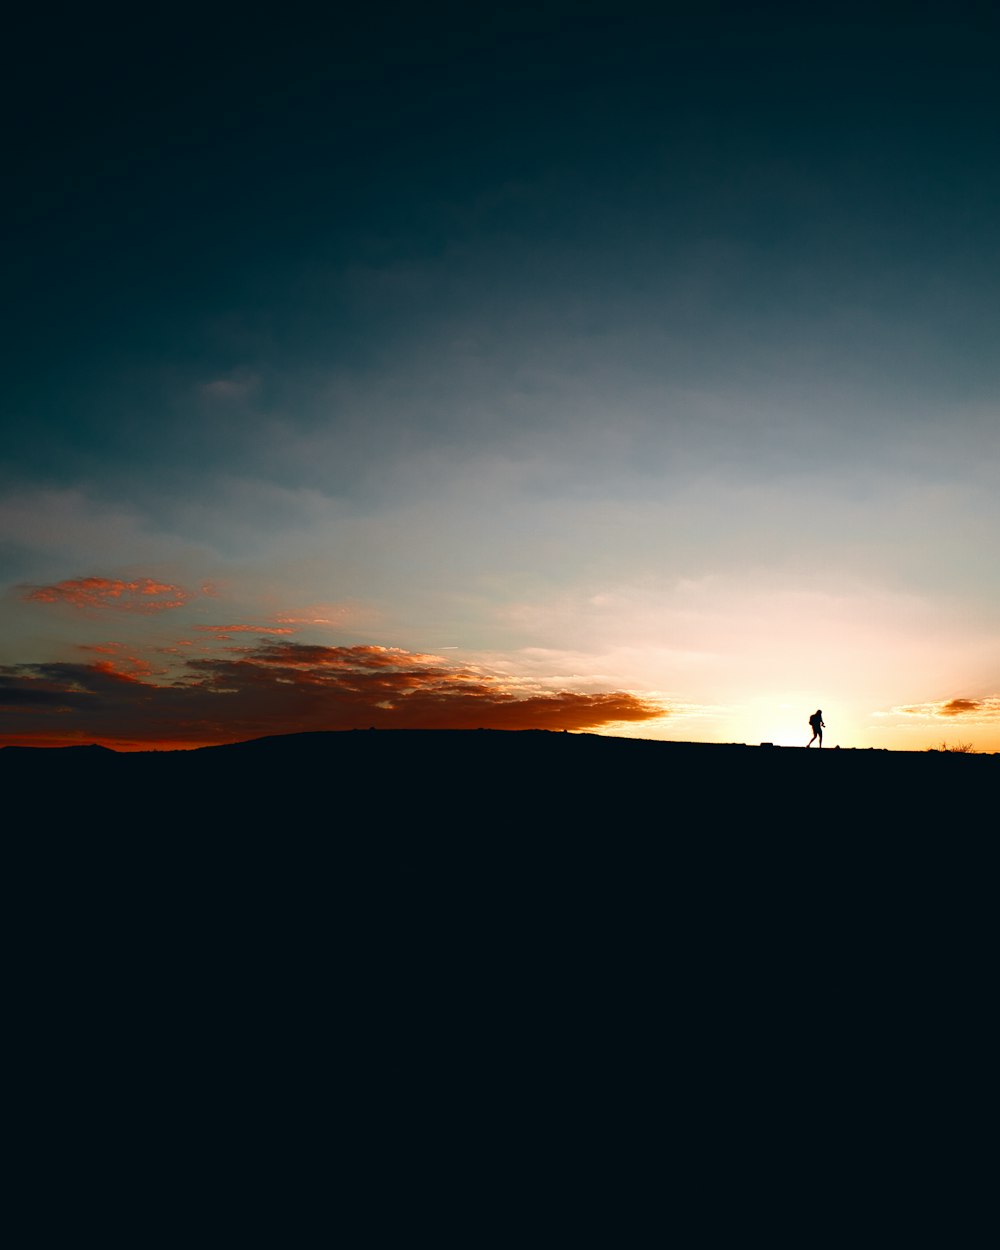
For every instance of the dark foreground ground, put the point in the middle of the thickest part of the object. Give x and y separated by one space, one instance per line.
449 974
473 783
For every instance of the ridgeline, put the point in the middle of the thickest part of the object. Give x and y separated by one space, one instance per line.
515 783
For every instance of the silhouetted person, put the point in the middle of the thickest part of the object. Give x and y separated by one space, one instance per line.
816 721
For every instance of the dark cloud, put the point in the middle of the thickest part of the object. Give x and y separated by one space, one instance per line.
24 691
282 687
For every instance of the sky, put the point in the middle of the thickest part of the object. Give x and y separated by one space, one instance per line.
618 368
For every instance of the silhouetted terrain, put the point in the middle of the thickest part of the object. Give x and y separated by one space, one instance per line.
416 783
319 832
502 936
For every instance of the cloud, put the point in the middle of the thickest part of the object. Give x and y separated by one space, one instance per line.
284 687
225 632
121 660
144 595
969 709
320 614
301 655
65 527
956 707
235 386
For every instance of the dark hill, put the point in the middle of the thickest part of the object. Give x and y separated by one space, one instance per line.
515 783
487 934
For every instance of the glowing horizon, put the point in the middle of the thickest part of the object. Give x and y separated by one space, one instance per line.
226 682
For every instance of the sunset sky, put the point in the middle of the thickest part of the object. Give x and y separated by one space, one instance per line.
586 366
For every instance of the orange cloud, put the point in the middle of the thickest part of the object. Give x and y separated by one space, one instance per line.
108 668
972 709
956 707
361 657
284 687
121 661
142 595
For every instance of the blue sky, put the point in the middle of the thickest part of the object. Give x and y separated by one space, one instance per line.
583 353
